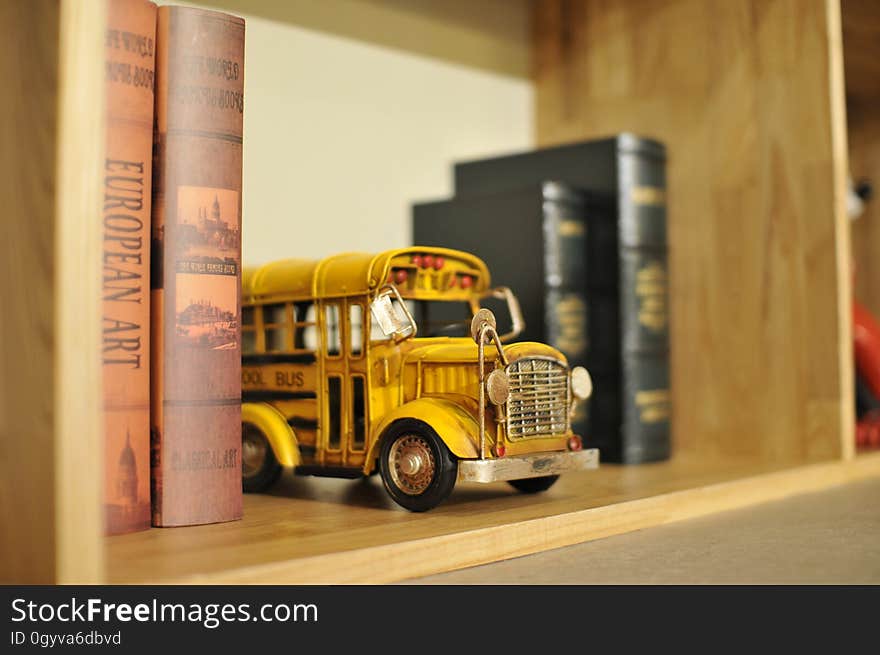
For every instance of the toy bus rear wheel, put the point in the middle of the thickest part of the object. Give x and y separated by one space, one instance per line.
259 467
417 469
534 485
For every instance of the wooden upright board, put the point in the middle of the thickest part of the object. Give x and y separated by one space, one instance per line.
748 98
51 128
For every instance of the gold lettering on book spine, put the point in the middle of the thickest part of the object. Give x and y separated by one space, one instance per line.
571 312
653 405
571 229
651 291
648 195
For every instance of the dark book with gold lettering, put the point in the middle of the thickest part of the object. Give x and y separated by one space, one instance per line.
129 68
533 240
196 273
624 262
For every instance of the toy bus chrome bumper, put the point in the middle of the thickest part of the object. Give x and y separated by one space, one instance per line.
517 467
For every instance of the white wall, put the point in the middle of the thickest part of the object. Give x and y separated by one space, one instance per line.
341 136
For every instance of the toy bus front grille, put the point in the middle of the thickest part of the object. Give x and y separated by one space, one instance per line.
539 400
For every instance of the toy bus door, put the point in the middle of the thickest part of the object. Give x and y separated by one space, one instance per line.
345 383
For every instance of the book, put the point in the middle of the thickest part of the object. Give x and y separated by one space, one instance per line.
129 69
533 240
196 270
623 178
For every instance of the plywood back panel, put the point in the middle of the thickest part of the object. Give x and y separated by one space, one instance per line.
748 97
861 42
861 53
864 148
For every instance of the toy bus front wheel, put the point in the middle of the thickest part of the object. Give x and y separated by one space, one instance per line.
417 469
259 467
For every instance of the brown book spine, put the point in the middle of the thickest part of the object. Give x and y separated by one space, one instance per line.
196 276
129 69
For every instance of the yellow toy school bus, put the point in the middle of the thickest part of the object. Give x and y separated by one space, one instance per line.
361 363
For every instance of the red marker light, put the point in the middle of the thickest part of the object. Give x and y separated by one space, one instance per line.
400 275
574 442
427 261
500 450
438 263
466 281
417 261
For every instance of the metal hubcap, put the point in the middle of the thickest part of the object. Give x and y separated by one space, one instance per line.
253 451
411 464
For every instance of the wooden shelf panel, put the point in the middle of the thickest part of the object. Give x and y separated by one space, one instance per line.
751 110
312 530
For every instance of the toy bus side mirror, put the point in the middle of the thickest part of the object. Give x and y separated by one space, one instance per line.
394 319
517 322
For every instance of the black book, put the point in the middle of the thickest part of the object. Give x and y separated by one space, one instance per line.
622 185
533 240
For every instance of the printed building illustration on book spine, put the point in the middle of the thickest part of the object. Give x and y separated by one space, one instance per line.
207 268
126 475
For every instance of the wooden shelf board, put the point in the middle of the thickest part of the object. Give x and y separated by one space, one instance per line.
322 531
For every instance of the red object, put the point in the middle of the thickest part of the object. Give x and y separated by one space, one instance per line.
438 263
417 260
574 442
500 450
466 281
868 430
866 345
427 261
400 275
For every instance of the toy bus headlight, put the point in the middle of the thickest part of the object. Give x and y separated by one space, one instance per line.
581 384
498 387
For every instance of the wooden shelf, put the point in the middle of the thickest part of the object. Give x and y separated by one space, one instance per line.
324 531
752 111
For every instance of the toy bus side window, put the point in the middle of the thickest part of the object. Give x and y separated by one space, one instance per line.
333 329
356 329
276 321
248 331
305 335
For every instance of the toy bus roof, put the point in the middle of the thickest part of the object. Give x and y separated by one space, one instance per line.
350 274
